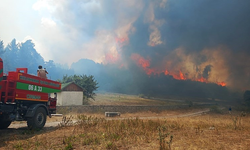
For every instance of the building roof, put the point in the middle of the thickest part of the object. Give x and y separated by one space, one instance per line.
65 85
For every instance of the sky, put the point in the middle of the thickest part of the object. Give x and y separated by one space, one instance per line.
20 20
66 31
199 40
38 20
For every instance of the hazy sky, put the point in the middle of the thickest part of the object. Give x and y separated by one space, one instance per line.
23 20
50 24
67 31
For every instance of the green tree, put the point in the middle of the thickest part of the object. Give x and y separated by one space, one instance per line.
10 57
88 83
20 55
31 58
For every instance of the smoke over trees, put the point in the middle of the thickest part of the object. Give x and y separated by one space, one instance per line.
24 55
180 39
110 77
122 80
160 47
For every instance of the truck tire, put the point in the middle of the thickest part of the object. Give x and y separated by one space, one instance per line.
4 124
38 121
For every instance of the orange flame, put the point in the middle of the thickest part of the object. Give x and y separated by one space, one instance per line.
114 57
145 64
142 62
221 83
166 72
182 76
179 76
202 79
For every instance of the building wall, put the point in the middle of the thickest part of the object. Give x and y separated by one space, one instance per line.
68 98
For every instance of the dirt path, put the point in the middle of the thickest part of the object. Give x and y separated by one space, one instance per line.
55 123
165 117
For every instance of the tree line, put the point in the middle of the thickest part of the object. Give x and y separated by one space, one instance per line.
24 55
110 77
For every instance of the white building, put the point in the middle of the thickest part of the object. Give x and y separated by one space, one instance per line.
71 94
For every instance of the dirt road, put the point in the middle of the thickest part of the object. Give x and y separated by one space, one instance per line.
55 123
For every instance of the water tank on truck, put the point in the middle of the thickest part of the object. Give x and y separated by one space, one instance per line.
26 97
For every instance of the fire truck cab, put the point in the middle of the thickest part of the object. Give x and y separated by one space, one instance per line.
26 97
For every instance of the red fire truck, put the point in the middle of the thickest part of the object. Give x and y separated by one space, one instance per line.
26 97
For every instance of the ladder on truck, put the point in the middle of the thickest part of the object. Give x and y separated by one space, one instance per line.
10 92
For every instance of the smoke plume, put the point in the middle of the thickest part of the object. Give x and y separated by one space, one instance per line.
197 41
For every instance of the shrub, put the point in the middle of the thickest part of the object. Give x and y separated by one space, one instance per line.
215 109
141 95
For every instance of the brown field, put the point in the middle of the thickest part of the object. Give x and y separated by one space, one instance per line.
209 131
123 99
214 130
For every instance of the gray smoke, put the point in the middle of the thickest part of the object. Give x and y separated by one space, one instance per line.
209 39
206 71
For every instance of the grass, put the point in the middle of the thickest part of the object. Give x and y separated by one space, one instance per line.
123 99
214 130
209 131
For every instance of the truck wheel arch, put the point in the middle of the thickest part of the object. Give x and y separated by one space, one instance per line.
32 110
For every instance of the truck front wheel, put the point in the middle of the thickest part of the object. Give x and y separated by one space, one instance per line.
38 121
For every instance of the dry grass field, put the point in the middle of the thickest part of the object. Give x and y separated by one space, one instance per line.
216 129
123 99
208 131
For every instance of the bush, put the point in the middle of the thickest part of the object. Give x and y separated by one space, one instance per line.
215 109
141 95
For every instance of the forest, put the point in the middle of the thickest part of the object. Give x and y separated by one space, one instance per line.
109 77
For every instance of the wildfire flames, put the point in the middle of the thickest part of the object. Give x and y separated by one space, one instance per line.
179 76
114 55
145 65
221 83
